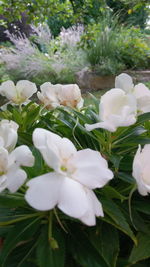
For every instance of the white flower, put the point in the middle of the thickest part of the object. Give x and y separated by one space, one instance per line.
142 94
75 174
55 95
48 94
11 175
70 95
18 93
116 109
124 82
140 91
8 134
141 169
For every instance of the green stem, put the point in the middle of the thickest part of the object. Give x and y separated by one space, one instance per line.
59 221
50 222
52 241
20 108
130 210
109 142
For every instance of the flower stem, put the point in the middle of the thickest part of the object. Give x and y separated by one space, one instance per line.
59 221
108 142
20 108
53 243
130 210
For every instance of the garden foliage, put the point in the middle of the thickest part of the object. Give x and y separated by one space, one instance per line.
33 141
105 47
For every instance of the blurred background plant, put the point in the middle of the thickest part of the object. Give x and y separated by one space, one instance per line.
111 47
41 58
63 37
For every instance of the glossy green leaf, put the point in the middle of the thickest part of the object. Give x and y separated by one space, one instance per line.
83 251
110 192
115 213
106 241
142 250
12 200
143 118
47 256
20 232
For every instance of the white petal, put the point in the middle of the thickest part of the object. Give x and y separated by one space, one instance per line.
15 178
143 104
48 95
124 81
142 94
141 90
26 88
66 148
8 134
91 169
141 160
80 104
41 138
22 156
104 125
55 150
3 160
72 198
95 209
113 101
44 191
117 109
8 90
69 95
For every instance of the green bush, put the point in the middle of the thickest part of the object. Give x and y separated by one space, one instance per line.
133 49
110 47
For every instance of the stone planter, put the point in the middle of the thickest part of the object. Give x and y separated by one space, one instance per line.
91 81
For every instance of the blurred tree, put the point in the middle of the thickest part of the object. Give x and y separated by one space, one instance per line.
59 13
64 13
131 12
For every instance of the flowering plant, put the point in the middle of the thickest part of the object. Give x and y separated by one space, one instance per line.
74 179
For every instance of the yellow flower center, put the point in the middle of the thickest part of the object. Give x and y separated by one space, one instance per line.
63 168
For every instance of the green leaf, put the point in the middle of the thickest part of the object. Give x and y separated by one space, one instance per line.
96 101
126 177
17 116
115 159
119 220
110 192
37 169
106 241
32 115
142 250
20 232
83 251
129 134
142 205
143 118
25 138
46 256
23 255
12 200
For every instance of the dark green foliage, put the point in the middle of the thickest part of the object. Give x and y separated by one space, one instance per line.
119 239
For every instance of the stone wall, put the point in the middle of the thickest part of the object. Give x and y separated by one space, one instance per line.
90 81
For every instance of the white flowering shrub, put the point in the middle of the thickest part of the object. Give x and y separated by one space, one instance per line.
74 179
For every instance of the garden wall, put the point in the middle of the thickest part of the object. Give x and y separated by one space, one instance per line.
90 81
